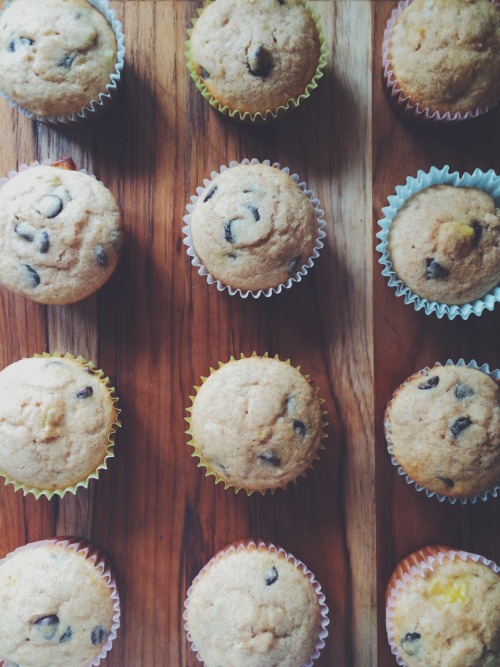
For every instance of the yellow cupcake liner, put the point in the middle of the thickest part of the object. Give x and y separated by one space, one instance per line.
197 453
269 115
116 423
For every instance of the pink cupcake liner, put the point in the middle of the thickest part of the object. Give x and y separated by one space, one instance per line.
202 271
493 491
415 565
402 105
101 563
260 545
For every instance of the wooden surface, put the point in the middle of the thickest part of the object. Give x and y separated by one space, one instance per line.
156 327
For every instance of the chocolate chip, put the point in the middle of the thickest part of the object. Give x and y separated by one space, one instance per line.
44 242
463 391
85 393
231 256
223 469
66 635
210 193
271 458
98 635
410 643
435 270
293 263
47 626
271 576
20 41
23 230
33 275
430 383
260 62
248 190
282 2
478 230
67 61
254 211
299 427
449 483
101 255
460 425
50 206
228 235
205 74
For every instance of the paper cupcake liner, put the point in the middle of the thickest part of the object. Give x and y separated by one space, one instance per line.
209 472
105 101
72 488
415 565
270 115
402 105
101 563
45 163
260 545
493 491
488 181
202 271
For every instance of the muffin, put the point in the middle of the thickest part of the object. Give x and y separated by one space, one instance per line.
57 421
255 605
252 229
441 58
443 609
60 605
58 57
256 423
252 60
60 234
443 429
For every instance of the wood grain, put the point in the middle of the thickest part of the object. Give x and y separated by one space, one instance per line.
157 326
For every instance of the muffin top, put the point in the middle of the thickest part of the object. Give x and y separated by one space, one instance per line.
60 233
444 244
253 608
449 616
445 54
253 227
257 423
444 424
55 419
254 55
56 609
56 56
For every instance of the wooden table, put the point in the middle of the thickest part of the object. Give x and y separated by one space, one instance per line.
157 327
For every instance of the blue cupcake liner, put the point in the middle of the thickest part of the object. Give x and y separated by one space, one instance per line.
488 181
494 491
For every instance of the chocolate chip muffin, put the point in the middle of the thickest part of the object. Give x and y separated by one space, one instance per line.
255 606
253 228
60 234
256 423
443 608
444 244
444 55
56 56
59 607
443 426
255 56
57 419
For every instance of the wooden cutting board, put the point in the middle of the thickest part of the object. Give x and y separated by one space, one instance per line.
157 327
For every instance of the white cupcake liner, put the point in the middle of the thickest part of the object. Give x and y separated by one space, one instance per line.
195 261
493 491
260 545
23 167
105 101
403 105
488 181
415 565
101 563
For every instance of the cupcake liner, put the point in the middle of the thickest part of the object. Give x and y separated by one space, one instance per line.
493 491
260 545
488 181
270 115
72 488
101 563
23 167
212 473
402 105
105 101
202 271
415 565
